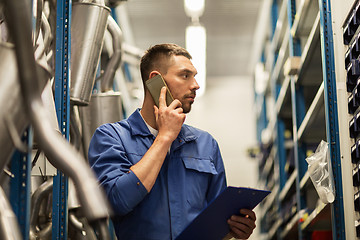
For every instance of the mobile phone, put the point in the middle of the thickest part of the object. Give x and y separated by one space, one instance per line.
154 86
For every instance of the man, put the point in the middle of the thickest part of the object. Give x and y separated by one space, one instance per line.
158 172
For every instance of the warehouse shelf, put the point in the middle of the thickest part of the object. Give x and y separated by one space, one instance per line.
318 218
290 230
302 22
270 129
283 106
281 26
305 180
279 33
299 95
312 128
274 229
310 47
269 201
269 164
282 56
290 185
284 96
289 144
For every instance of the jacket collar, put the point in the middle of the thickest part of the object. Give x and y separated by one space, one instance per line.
137 124
138 127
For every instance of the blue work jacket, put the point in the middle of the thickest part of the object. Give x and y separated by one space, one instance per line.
191 176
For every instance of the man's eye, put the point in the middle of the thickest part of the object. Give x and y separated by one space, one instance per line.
186 76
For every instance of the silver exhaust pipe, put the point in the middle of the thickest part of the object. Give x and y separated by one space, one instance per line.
41 192
115 60
59 152
13 121
9 228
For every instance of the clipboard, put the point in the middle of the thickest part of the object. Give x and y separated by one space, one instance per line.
211 223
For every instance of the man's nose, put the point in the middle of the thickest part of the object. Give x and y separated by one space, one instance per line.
195 85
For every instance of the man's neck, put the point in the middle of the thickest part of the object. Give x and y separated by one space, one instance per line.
147 112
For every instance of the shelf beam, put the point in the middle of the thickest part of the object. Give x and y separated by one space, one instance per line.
318 218
290 182
305 180
280 59
312 111
303 7
269 201
309 48
290 226
282 94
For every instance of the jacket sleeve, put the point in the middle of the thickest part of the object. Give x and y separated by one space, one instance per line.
110 163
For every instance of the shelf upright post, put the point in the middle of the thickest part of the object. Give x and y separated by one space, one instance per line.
20 185
62 105
279 140
260 99
281 152
20 182
274 16
331 115
261 121
294 42
279 128
298 112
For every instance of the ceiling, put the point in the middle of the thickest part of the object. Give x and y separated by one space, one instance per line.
230 27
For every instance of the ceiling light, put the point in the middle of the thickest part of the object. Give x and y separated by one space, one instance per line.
194 8
196 45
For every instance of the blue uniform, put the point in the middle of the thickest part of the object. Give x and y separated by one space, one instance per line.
191 176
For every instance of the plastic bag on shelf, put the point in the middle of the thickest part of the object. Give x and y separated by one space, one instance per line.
320 172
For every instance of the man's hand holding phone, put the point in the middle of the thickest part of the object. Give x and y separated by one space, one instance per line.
154 86
169 119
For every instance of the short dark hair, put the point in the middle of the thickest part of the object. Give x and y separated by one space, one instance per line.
157 58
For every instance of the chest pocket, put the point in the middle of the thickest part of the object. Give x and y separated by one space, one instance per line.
200 165
198 175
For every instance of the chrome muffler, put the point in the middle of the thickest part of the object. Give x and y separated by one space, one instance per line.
103 108
88 25
106 106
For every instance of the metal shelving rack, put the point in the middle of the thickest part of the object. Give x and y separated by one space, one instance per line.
62 105
297 109
21 162
332 116
343 20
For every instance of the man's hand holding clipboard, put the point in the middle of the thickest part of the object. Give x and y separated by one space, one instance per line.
212 222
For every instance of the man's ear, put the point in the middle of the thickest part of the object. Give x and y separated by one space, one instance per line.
154 73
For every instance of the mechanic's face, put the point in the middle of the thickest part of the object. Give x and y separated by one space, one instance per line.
180 78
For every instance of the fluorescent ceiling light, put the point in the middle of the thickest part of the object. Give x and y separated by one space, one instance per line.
196 45
194 8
